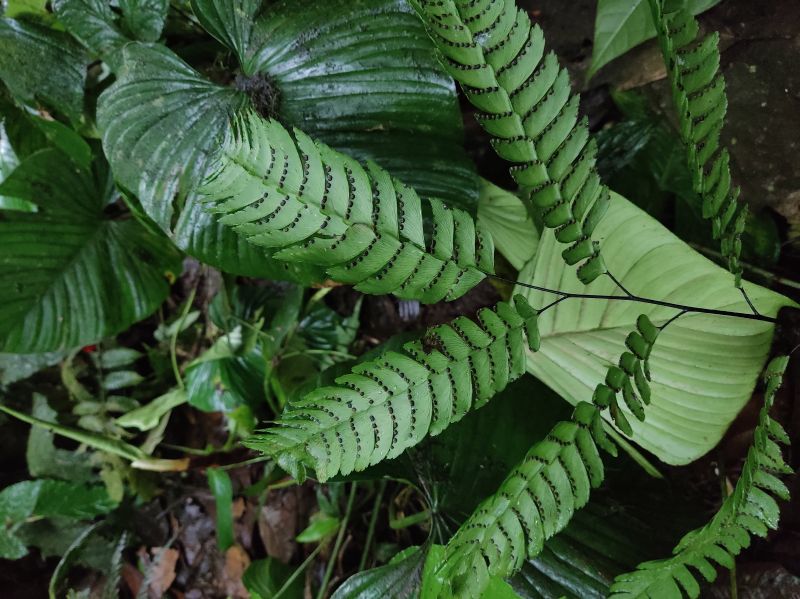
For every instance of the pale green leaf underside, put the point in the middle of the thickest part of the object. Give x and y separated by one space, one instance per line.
704 367
505 217
623 24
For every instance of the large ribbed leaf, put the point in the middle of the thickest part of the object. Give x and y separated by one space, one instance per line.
361 75
39 64
72 275
704 367
93 23
104 31
505 217
160 120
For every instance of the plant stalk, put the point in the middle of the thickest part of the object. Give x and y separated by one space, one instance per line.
338 544
642 300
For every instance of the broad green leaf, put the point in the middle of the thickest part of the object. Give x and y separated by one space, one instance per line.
159 121
161 115
704 367
118 357
65 139
265 577
18 501
623 24
14 8
144 19
11 547
73 274
53 498
224 384
410 574
321 527
400 578
121 379
93 23
394 105
220 484
70 500
149 415
506 218
18 367
25 132
44 459
39 64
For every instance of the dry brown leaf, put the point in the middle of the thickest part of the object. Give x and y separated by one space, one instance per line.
161 573
236 562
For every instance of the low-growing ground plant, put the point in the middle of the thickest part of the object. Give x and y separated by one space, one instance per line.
247 263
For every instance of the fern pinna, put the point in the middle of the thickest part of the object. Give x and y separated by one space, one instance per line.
283 190
498 57
749 510
539 497
388 404
698 89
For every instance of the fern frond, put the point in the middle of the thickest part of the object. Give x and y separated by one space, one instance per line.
698 90
749 510
498 57
386 405
283 190
536 501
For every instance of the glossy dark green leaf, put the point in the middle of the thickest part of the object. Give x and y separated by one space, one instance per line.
464 472
93 23
320 528
73 275
264 578
39 64
231 22
373 90
70 500
224 384
220 484
325 329
159 121
144 19
399 579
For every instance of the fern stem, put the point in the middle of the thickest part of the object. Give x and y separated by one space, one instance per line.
297 572
638 299
373 521
338 544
